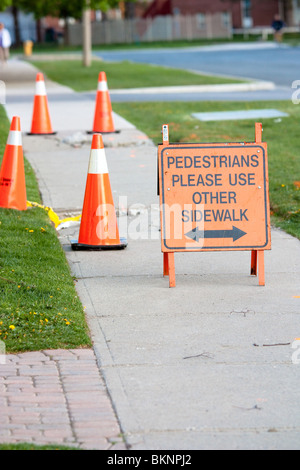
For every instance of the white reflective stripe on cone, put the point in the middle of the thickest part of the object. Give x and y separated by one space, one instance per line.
98 163
14 138
40 88
102 86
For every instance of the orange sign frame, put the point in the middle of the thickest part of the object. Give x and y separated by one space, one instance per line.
214 197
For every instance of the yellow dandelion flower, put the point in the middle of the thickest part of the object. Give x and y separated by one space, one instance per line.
12 327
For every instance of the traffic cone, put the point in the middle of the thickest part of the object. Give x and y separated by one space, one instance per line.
12 174
98 226
103 118
41 122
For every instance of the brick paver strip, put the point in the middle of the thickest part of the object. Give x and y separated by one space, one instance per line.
56 397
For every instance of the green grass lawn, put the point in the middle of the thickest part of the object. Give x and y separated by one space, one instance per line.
121 75
282 137
27 446
40 308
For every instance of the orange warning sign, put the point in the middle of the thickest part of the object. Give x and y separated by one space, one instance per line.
214 196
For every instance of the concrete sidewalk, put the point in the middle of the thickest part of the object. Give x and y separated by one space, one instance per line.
206 365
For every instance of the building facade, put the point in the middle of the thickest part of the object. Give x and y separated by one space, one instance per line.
244 13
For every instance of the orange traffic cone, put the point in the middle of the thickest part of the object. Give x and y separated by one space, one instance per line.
103 119
98 227
41 122
12 175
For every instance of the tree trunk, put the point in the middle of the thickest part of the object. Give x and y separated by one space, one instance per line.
39 35
15 11
129 10
87 38
287 7
66 32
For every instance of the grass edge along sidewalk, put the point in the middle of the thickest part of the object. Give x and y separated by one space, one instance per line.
40 308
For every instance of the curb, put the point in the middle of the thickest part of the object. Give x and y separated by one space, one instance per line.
199 88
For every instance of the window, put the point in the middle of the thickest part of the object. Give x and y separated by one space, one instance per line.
226 19
246 8
297 12
201 20
246 14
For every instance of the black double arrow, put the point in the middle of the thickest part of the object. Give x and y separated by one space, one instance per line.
196 234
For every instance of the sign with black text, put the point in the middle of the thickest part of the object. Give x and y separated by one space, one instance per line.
214 197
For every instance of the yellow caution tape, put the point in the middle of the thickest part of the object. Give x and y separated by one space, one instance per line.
58 223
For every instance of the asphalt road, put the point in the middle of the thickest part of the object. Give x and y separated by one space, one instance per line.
261 61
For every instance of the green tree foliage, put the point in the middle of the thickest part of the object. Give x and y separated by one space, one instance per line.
61 8
4 4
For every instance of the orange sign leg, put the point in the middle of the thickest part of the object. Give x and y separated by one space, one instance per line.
169 268
261 267
169 258
166 264
253 271
171 261
260 253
